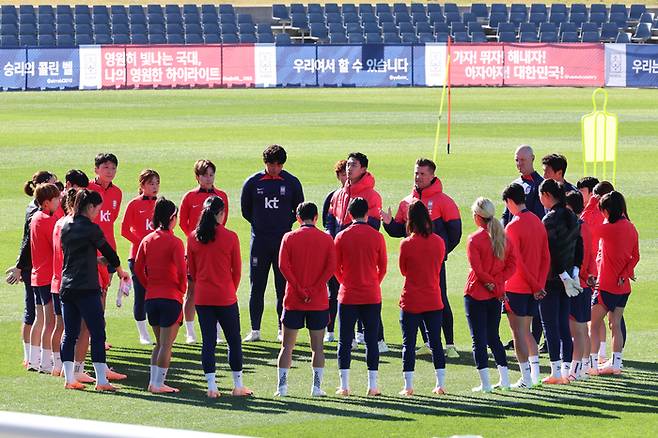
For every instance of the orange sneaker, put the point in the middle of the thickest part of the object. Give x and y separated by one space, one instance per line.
438 390
550 380
74 385
343 392
593 372
84 378
242 392
609 371
113 375
406 392
374 392
106 388
213 394
57 372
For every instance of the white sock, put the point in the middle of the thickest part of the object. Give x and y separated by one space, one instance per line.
565 370
69 374
26 351
100 369
142 329
57 360
584 365
212 382
283 380
525 373
372 379
408 379
318 373
484 378
152 375
344 378
594 361
160 376
574 368
440 377
35 350
504 376
79 367
616 360
237 379
534 369
46 360
556 369
602 348
189 328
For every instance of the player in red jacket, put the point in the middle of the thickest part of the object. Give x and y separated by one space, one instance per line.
492 261
421 258
160 268
191 207
526 286
307 260
618 255
360 268
138 223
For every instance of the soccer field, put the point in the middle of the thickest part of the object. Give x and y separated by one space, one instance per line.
168 130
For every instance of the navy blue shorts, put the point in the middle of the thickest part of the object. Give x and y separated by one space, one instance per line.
521 304
580 306
314 319
162 312
57 305
611 301
42 295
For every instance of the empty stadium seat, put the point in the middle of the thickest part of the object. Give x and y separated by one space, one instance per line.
355 38
65 40
248 38
102 39
282 39
569 37
193 38
548 37
120 39
461 37
478 37
622 38
212 39
528 37
391 38
27 40
426 38
642 33
265 38
609 32
590 37
442 37
373 38
636 11
337 38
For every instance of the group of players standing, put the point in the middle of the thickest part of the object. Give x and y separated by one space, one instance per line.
562 258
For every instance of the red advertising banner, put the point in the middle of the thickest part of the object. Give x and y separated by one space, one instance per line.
238 65
491 64
161 66
578 64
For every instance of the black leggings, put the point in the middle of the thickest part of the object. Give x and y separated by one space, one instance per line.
85 306
229 319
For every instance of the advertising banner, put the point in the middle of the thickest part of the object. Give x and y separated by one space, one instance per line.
429 67
265 65
238 65
615 65
295 66
367 65
641 65
53 68
477 64
14 69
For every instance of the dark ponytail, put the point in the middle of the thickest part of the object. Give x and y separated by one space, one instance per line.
205 230
418 220
68 201
40 177
164 212
615 204
555 189
84 199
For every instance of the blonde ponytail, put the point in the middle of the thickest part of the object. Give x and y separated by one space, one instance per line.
484 208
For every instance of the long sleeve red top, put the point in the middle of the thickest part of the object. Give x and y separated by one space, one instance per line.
109 212
192 205
360 264
592 216
533 259
160 266
589 256
420 263
215 268
58 255
137 221
619 253
486 267
307 259
41 246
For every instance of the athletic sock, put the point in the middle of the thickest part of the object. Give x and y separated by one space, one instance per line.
189 328
318 373
79 367
556 369
602 348
525 373
594 361
574 368
344 378
35 350
440 377
584 365
46 360
408 379
26 351
504 376
152 375
283 380
237 379
142 329
484 378
212 382
57 360
534 369
100 369
564 370
69 373
372 379
616 360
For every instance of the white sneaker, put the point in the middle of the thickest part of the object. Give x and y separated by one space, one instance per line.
281 392
355 345
317 392
279 336
360 338
383 348
329 337
145 341
519 385
190 338
482 389
253 336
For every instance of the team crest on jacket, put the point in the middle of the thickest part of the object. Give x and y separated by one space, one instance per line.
282 190
429 206
114 204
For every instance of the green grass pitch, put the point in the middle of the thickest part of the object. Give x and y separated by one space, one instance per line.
169 130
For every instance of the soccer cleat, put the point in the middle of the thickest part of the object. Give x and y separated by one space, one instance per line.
279 336
74 385
343 392
439 391
603 359
106 388
583 376
190 339
281 392
329 337
110 374
550 380
593 372
572 378
609 371
485 389
317 392
501 387
253 336
406 392
373 392
84 378
242 392
451 352
213 394
145 341
46 370
360 338
519 385
56 372
383 348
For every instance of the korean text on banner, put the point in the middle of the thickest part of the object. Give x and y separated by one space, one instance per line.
14 69
295 66
641 65
238 65
53 68
477 64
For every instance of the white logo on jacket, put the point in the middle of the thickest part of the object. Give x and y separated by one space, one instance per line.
272 203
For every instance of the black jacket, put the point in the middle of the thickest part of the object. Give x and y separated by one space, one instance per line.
564 242
81 239
24 261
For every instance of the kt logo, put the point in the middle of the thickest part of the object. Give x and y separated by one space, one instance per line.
272 203
105 216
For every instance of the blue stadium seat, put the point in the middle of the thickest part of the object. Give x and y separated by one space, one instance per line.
423 28
578 8
355 38
27 19
578 18
27 29
99 10
419 17
245 19
212 18
528 27
408 38
81 10
528 37
83 29
174 18
453 17
548 27
622 38
517 18
442 37
314 8
230 38
191 19
83 40
136 10
172 9
568 27
212 39
65 40
337 38
354 28
480 10
373 38
101 19
386 28
248 38
418 8
120 29
461 37
468 17
102 38
365 8
209 28
499 8
138 28
25 9
8 41
557 18
333 17
27 40
51 30
400 7
154 9
346 8
479 37
336 28
250 28
138 19
319 30
458 27
609 32
589 27
155 19
190 9
619 19
506 27
402 17
119 19
175 28
353 18
590 37
434 7
282 39
118 10
102 28
537 18
280 12
647 17
193 38
436 17
229 28
45 9
82 19
407 28
426 38
619 8
195 28
474 26
223 8
139 38
385 17
442 28
316 18
332 7
570 37
120 39
451 7
519 8
265 38
507 37
642 33
390 38
157 38
496 18
64 18
548 37
299 21
382 8
598 8
42 19
538 8
156 29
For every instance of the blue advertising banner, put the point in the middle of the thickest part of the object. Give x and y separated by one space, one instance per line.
367 65
641 65
14 69
296 66
53 68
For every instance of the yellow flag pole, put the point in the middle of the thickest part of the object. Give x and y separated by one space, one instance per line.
438 122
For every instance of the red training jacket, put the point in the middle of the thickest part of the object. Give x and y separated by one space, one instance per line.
160 266
487 268
364 188
137 221
192 205
109 210
41 246
420 263
533 258
618 255
58 255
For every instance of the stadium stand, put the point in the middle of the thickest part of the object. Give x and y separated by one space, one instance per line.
296 23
